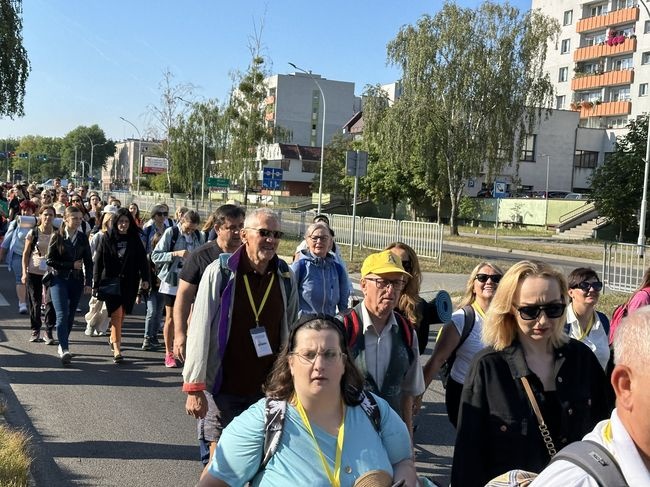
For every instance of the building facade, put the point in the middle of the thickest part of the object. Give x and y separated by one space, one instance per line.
122 169
300 165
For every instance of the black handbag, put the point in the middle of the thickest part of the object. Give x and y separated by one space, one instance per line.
109 288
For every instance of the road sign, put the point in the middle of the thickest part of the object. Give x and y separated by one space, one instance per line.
218 183
356 158
272 177
499 189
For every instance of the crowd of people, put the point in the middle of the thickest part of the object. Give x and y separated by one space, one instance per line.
293 380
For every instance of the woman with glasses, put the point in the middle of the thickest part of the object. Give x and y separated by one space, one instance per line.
323 282
331 434
466 322
583 322
533 390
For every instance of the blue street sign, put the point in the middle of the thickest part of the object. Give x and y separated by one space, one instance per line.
272 178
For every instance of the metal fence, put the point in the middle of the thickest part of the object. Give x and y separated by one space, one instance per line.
624 265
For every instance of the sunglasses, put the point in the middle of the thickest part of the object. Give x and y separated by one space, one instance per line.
161 213
553 310
483 278
586 285
265 233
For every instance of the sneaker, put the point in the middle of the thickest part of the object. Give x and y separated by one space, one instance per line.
170 361
35 336
146 344
89 331
49 338
65 355
154 342
22 308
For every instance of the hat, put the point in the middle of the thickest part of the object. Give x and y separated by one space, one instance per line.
110 209
374 478
383 262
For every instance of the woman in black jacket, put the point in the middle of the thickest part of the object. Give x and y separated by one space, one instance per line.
498 429
121 256
69 256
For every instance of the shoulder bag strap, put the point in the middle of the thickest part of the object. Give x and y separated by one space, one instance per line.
546 435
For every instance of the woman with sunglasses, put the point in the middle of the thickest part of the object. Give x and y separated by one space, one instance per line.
331 434
583 322
480 289
533 390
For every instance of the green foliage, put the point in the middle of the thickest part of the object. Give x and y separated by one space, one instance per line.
470 78
160 184
14 63
35 167
335 180
91 142
617 185
467 209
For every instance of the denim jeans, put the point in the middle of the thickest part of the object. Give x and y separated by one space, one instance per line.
155 305
65 295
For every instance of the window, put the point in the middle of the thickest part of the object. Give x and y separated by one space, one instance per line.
598 10
645 57
585 159
643 89
619 94
566 46
568 17
310 166
619 4
563 75
623 63
646 27
528 148
560 102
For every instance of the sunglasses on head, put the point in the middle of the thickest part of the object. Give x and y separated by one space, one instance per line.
265 233
532 312
161 213
586 285
483 278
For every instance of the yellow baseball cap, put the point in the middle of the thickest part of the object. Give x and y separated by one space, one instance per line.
383 262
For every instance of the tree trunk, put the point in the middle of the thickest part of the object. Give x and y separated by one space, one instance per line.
393 208
453 220
439 211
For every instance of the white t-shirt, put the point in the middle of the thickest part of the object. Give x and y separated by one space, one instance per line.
469 348
597 338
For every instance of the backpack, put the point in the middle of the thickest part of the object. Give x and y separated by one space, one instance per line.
176 233
275 412
619 313
353 329
590 456
468 326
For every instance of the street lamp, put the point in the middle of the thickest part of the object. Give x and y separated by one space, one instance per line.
139 151
203 157
322 142
92 152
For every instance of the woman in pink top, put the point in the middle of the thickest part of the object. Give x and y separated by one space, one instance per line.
639 299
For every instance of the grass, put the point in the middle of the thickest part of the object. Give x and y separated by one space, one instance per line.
14 457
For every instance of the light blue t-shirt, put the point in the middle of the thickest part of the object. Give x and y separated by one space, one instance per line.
296 461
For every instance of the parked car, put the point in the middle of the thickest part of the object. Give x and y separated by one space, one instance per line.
576 196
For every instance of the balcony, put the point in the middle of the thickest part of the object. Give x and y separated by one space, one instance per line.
611 19
610 78
607 109
603 50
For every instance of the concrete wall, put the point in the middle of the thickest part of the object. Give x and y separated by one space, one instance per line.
525 211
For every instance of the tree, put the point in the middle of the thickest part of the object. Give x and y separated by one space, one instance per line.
83 139
617 185
476 80
14 63
335 179
43 159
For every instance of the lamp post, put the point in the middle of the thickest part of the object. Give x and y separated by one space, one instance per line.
548 165
203 156
322 143
92 152
139 150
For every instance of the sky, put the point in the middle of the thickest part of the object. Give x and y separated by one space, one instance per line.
94 61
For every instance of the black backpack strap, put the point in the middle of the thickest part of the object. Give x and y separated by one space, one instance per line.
595 460
34 242
175 233
275 411
604 320
369 406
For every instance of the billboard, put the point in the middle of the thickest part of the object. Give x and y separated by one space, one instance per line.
154 165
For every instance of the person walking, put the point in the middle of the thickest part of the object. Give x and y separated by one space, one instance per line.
120 258
69 256
37 242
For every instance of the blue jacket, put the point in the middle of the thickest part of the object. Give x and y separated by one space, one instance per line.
323 284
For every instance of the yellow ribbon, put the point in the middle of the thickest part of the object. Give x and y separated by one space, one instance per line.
479 310
258 311
334 478
589 326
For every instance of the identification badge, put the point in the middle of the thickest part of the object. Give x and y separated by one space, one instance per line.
261 341
42 265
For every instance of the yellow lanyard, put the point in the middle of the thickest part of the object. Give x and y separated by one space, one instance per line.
258 311
479 310
588 330
333 477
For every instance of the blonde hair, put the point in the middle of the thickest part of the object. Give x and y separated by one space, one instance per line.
470 296
500 326
410 296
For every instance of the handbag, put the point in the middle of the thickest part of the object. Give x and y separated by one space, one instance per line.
47 278
543 429
108 288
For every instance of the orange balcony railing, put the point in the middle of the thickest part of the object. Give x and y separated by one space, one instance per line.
602 50
607 109
617 17
269 116
611 78
269 100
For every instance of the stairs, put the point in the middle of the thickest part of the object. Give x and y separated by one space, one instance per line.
580 232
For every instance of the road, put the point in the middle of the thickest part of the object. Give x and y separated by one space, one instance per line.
95 423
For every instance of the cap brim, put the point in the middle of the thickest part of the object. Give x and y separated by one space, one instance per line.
388 270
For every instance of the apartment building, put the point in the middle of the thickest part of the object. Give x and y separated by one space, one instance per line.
122 169
600 62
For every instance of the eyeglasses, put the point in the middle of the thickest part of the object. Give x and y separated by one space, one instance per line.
397 284
309 357
483 278
553 310
316 238
266 233
586 285
161 213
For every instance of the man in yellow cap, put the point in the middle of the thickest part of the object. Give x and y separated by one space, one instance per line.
382 342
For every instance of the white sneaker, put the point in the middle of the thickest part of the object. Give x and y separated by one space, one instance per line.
65 355
89 331
22 308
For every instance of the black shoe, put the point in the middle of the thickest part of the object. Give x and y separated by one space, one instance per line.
118 359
